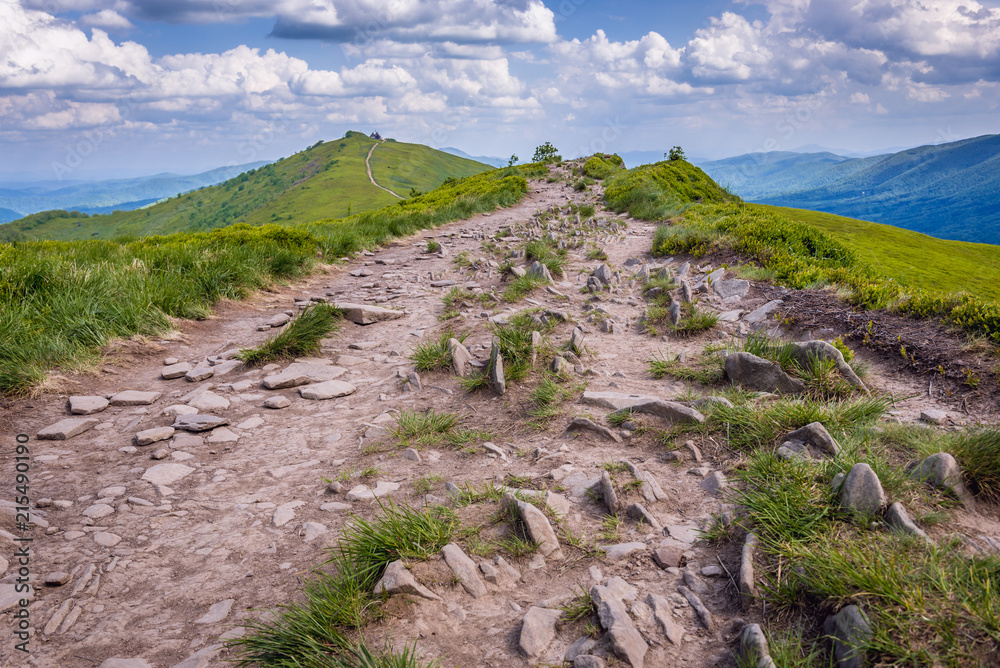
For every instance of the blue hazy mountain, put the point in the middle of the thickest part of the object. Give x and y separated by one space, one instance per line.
21 199
490 160
949 191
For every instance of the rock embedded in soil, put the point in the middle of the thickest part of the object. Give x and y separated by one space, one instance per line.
714 484
755 373
941 470
209 402
584 424
539 529
618 552
704 615
934 416
116 662
670 411
397 580
461 358
733 287
199 422
589 661
538 630
497 381
87 405
216 613
167 474
364 314
626 641
861 490
154 435
67 429
608 493
665 618
198 374
668 556
747 576
365 493
815 434
277 402
539 271
753 650
639 513
807 351
330 389
759 315
464 569
134 398
850 630
897 518
303 373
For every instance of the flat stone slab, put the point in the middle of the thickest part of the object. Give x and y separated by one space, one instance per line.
363 492
303 373
398 580
87 405
11 598
175 371
66 429
216 613
615 401
464 569
330 389
538 630
363 314
758 315
134 398
167 474
208 402
154 435
222 435
620 551
734 287
199 422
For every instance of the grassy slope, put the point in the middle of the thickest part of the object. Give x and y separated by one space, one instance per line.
913 259
400 167
325 181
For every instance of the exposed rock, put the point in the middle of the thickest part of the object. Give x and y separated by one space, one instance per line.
277 402
675 313
706 618
603 273
498 382
862 490
285 513
934 416
397 579
615 401
578 648
366 493
66 429
758 315
303 373
539 271
363 314
714 484
665 618
625 640
57 579
708 403
790 450
815 434
668 556
669 410
216 613
639 513
278 320
621 550
560 366
897 518
166 474
608 493
627 643
199 422
734 287
538 527
464 568
755 373
460 357
584 424
942 470
116 662
811 350
411 455
209 402
588 661
753 649
576 341
134 398
538 629
747 579
199 373
87 405
330 389
850 630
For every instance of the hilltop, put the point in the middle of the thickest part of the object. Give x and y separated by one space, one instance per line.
947 190
327 180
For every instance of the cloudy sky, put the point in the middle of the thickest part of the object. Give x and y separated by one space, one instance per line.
90 86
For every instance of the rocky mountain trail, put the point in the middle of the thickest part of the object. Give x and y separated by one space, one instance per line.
177 493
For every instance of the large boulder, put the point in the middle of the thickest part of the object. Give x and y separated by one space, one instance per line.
756 373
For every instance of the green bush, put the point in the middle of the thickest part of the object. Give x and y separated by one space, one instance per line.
600 166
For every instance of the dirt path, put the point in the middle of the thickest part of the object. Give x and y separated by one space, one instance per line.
167 548
368 168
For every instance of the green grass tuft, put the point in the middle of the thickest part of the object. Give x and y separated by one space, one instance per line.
299 338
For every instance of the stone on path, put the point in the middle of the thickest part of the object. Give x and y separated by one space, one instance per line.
704 616
98 510
747 577
621 550
589 661
465 569
663 615
10 597
67 429
669 410
608 493
584 424
748 370
850 630
303 373
364 492
753 650
397 579
733 287
199 373
134 398
576 341
166 474
285 513
625 640
154 435
87 405
199 422
277 402
942 470
460 357
216 613
639 513
116 662
714 484
330 389
538 629
209 402
106 539
862 490
614 401
175 370
934 416
897 518
364 314
539 271
758 315
498 383
539 529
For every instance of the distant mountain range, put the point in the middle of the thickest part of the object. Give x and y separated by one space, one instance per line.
21 199
326 180
490 160
949 191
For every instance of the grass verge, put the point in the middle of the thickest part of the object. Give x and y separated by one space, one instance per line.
300 337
